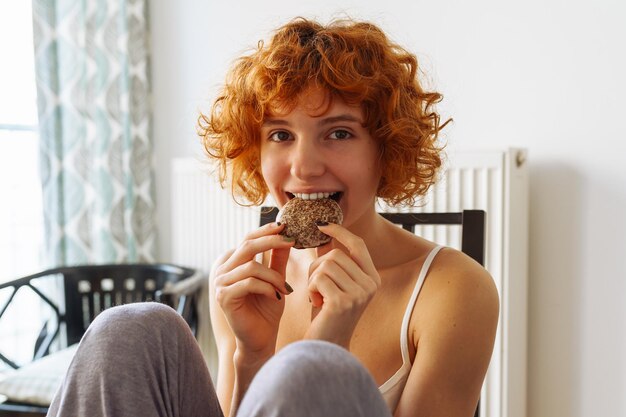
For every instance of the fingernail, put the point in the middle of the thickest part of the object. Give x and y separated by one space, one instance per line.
278 224
289 239
288 287
309 299
321 223
278 295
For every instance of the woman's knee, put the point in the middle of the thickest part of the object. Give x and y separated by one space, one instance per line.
313 375
136 321
134 335
309 354
142 348
313 363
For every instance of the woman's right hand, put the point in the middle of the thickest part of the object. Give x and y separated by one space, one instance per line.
250 294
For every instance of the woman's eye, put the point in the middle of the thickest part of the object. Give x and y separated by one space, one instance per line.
340 134
280 136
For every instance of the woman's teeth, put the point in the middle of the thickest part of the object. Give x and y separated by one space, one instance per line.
313 196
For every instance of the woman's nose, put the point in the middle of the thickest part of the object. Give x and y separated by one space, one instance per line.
307 160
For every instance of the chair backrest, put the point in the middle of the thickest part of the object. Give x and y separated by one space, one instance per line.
90 289
472 224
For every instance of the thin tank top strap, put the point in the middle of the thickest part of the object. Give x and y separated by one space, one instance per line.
404 329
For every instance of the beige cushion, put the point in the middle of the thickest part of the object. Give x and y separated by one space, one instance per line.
38 381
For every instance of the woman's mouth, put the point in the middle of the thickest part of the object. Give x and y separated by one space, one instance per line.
315 196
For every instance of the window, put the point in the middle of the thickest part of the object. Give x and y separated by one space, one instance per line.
21 215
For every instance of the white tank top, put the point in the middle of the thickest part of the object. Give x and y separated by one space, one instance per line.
392 389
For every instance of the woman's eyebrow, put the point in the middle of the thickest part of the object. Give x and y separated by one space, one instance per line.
340 118
275 122
322 122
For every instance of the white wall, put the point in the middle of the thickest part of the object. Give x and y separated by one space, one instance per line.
537 74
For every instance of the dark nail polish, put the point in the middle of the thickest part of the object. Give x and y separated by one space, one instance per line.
321 223
288 287
278 295
278 223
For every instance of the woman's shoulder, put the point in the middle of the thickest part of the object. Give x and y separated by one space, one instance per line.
401 247
458 291
455 268
449 271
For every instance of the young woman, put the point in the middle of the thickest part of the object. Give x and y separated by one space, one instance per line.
378 322
339 110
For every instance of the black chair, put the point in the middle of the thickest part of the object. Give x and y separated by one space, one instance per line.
472 224
88 290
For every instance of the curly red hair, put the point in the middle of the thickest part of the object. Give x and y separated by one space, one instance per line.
351 60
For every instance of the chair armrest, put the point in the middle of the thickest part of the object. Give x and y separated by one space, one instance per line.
182 296
14 286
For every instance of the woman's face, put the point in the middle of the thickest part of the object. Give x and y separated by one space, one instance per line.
321 147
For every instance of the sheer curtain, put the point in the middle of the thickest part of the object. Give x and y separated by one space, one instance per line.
93 91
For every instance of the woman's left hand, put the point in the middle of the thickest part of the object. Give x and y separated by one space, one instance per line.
341 284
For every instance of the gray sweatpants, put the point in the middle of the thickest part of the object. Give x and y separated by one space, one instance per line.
142 360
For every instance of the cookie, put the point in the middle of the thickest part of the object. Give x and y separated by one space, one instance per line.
299 217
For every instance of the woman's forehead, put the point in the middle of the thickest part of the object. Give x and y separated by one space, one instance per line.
316 101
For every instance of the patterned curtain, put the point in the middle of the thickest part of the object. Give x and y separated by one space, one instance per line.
91 62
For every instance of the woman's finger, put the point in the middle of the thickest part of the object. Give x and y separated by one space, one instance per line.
252 269
248 249
267 229
338 275
354 244
320 288
233 294
279 258
349 265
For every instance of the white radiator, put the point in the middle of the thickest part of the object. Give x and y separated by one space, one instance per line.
206 222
